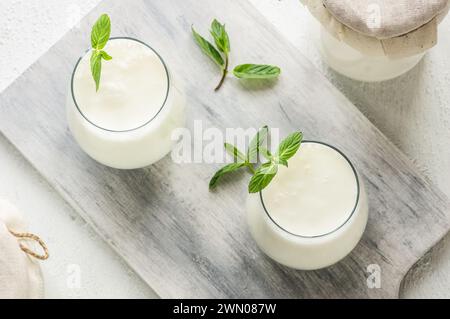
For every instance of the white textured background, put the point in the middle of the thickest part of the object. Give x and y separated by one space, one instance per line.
413 111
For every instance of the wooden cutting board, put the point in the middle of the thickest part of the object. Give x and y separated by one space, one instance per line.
183 240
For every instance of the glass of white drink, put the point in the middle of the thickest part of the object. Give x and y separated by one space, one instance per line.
128 122
313 213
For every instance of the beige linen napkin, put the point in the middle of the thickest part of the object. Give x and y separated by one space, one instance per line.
20 274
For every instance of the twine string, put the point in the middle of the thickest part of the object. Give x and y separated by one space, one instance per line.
25 236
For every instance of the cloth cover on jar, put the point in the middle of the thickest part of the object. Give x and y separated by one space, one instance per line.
395 28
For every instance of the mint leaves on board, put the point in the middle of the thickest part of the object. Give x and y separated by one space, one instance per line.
223 45
208 49
220 36
100 34
220 55
264 174
256 71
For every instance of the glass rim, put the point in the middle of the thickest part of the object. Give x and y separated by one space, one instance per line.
140 126
358 185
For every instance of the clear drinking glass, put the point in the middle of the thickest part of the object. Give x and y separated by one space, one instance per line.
135 147
302 251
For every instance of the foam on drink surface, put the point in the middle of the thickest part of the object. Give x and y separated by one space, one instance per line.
133 86
315 195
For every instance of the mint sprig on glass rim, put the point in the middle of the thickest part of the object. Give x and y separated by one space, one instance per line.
220 55
264 174
100 34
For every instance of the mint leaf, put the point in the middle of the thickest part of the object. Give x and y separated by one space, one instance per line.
96 68
263 176
208 49
99 37
105 55
220 36
256 71
101 32
224 170
233 151
289 146
266 153
283 162
220 56
256 143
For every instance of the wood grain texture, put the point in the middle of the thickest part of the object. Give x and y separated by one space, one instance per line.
180 238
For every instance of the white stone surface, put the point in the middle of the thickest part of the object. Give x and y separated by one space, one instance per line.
413 111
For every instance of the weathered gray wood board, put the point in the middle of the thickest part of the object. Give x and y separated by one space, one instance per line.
183 240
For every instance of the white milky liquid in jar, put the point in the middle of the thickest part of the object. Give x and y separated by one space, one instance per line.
313 213
361 67
128 122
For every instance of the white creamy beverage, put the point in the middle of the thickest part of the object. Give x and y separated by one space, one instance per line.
313 213
132 90
350 62
315 195
128 122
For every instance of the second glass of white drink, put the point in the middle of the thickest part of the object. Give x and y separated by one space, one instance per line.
313 213
129 121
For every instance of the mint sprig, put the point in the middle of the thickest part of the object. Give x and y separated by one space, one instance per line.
222 42
264 174
100 34
220 55
267 171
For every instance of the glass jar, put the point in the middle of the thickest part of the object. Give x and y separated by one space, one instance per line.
352 63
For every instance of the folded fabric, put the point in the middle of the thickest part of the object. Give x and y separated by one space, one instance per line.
20 274
394 28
